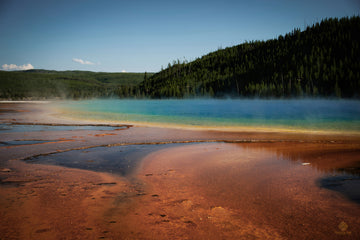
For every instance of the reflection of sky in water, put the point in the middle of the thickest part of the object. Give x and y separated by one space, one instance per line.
5 128
22 142
117 159
344 179
346 184
123 160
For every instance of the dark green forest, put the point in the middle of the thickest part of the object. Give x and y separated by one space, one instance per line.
323 60
44 84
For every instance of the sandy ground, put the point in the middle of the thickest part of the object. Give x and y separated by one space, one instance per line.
263 186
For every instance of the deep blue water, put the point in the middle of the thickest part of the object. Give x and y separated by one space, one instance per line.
306 114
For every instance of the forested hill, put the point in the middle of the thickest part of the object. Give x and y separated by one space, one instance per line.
45 84
323 60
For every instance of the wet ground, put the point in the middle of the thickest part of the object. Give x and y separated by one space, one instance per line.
121 160
249 191
157 183
21 127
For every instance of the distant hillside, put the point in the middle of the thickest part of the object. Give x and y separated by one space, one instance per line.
45 84
323 60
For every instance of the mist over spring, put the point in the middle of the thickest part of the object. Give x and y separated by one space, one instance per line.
305 114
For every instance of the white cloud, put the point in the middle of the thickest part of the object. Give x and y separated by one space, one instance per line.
78 60
123 71
14 67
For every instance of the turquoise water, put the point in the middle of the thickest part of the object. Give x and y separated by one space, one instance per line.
306 114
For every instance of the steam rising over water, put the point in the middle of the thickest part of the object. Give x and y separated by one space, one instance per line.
306 114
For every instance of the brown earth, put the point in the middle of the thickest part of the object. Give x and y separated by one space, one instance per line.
257 188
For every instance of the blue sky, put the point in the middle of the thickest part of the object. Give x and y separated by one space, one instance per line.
138 36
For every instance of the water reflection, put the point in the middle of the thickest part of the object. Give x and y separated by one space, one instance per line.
23 142
9 128
120 160
339 163
325 158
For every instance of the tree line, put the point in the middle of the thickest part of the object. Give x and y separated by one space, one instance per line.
322 60
44 84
